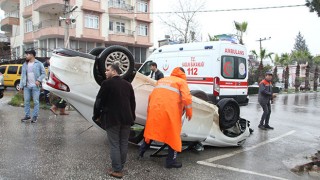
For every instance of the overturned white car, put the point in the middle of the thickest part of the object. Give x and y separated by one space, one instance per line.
76 77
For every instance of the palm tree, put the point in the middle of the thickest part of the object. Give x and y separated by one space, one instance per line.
263 55
285 60
213 38
241 29
316 73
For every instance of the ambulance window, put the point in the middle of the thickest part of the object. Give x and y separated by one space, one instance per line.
145 69
227 67
242 69
233 67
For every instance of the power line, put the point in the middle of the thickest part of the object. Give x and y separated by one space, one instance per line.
214 10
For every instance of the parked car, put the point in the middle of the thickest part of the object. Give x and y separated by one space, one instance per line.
11 74
76 77
1 85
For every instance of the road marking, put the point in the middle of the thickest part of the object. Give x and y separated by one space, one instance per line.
238 170
248 148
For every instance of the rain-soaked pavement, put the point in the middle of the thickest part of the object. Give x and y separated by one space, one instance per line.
65 147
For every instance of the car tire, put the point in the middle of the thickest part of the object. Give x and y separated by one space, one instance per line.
17 85
97 51
200 94
1 94
229 113
136 138
116 55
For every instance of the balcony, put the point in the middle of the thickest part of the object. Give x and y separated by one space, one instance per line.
9 5
121 9
126 37
27 11
50 28
49 6
92 6
144 18
92 34
10 19
143 41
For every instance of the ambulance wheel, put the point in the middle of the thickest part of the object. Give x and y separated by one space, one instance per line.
200 94
116 55
229 113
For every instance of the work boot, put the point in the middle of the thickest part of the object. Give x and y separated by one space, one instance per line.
174 165
26 118
262 127
268 127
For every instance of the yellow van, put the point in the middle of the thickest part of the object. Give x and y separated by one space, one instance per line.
11 75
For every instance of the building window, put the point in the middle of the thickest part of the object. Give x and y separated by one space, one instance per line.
28 26
91 21
121 27
28 2
110 25
142 30
142 6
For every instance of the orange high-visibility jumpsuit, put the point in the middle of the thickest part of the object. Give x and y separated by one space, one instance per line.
166 103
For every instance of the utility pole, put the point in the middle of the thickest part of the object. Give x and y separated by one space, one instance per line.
263 39
67 21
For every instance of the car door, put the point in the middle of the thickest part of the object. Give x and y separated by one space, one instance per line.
11 75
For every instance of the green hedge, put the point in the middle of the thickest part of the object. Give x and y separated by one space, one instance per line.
255 90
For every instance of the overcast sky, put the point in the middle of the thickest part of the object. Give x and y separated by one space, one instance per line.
282 25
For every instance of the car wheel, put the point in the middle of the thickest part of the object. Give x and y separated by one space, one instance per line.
16 85
1 94
96 51
116 55
229 112
200 94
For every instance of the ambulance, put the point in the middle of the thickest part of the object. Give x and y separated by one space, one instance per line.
214 70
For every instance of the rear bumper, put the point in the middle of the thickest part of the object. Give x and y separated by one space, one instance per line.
241 99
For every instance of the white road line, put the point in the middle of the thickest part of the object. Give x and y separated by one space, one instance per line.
248 148
238 170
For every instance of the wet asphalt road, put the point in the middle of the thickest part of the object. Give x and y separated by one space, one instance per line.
62 147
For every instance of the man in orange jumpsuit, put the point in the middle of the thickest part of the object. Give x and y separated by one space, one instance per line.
164 120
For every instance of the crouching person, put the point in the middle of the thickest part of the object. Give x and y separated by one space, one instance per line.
166 104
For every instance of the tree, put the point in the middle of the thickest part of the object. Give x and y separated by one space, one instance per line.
316 73
241 29
314 5
263 55
183 23
284 61
297 80
213 38
300 43
275 78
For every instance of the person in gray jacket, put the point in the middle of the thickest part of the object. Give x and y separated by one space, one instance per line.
32 74
265 97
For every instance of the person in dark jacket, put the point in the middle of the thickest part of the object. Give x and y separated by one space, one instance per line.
115 109
265 97
156 74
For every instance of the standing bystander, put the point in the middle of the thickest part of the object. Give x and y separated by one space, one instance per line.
265 97
115 109
32 75
156 74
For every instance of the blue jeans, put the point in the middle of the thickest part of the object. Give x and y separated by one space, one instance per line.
33 91
118 142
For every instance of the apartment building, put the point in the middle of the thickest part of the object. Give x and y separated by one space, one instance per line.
40 24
